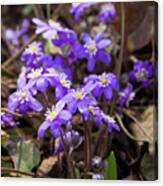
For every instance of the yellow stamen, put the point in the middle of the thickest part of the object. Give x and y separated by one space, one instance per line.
92 47
79 95
53 114
109 118
104 81
56 141
91 108
142 74
23 95
63 82
52 23
34 49
36 74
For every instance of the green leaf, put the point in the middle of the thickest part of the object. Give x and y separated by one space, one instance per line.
111 168
25 155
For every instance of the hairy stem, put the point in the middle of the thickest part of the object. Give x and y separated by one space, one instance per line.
87 147
120 59
68 157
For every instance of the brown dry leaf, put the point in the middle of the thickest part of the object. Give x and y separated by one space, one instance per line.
47 165
149 123
140 23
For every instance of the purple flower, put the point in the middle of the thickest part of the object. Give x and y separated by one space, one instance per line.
34 50
64 38
24 101
109 121
40 79
14 35
104 83
90 109
48 30
96 176
126 95
11 35
42 61
94 49
62 84
60 66
73 51
107 13
8 119
53 31
22 79
76 99
78 8
69 45
72 139
54 118
142 72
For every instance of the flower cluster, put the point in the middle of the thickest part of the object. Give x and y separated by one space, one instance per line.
78 8
16 37
60 86
106 14
8 119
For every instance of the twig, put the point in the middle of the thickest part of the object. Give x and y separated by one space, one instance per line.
12 113
120 59
141 86
38 11
9 170
11 59
16 114
137 122
126 131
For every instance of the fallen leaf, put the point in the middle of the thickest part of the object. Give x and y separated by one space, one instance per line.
47 165
149 123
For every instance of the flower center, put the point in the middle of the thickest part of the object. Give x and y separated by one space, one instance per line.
33 49
57 141
52 115
104 81
53 24
92 47
91 108
79 95
63 82
23 95
109 118
142 73
36 74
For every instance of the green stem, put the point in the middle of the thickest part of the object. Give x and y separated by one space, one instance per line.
126 131
68 157
48 9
